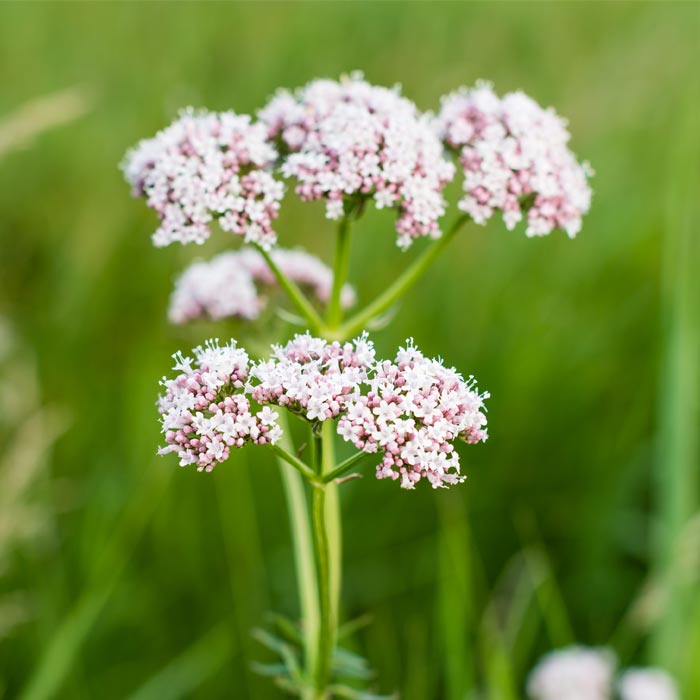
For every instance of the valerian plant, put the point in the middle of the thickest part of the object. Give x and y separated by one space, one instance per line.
352 145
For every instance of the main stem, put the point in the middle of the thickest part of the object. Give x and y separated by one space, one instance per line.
340 273
303 551
326 627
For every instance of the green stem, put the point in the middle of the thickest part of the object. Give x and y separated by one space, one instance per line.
295 462
340 273
295 294
401 285
343 467
303 554
333 519
325 640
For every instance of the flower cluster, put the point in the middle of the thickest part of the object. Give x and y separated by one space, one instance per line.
207 166
233 284
350 139
576 673
516 159
413 412
312 377
205 410
647 684
581 673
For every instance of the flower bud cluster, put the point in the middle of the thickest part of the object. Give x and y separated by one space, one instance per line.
348 139
208 166
205 410
234 284
516 159
414 410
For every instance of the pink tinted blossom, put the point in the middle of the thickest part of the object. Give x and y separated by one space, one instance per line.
234 284
345 140
207 166
415 409
516 159
312 377
206 411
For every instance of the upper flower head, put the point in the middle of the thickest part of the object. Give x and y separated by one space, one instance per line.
205 410
413 412
647 684
576 673
312 377
206 166
233 284
348 140
516 159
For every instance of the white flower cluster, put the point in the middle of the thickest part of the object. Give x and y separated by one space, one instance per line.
413 412
207 166
576 673
647 684
516 159
312 377
582 673
351 140
410 410
234 284
205 411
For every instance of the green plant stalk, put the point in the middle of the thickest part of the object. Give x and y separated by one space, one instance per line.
456 598
295 294
341 265
679 444
293 461
400 286
326 627
333 523
303 554
343 467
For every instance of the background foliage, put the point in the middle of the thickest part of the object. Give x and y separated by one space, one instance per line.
127 577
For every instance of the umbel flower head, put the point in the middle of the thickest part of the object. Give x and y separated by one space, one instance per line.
207 166
410 410
647 684
312 377
205 410
234 284
414 410
575 673
347 140
516 159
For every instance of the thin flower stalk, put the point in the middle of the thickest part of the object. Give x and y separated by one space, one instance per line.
400 286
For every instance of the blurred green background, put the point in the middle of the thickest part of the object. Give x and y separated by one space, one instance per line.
122 576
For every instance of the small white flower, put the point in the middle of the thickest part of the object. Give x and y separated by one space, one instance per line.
647 684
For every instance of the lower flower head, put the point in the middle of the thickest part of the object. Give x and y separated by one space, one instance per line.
415 409
206 410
